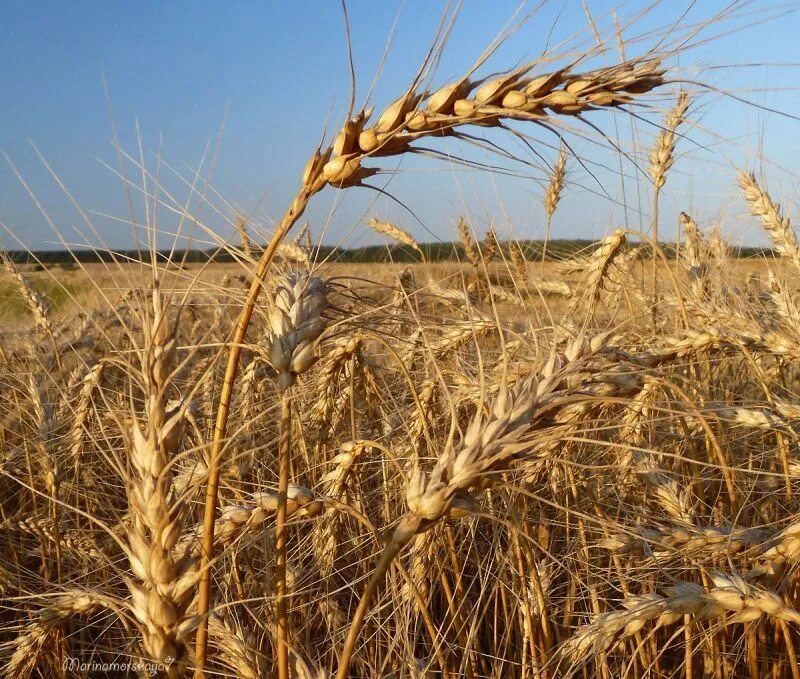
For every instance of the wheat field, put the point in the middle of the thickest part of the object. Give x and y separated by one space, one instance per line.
508 464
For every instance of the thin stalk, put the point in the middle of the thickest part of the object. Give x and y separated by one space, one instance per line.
289 219
390 551
655 258
284 448
546 241
787 637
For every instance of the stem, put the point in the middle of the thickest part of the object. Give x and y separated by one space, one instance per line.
654 312
280 534
294 212
402 534
687 656
787 638
546 239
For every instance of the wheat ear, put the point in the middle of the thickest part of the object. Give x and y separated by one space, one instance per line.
166 583
552 196
241 226
730 593
28 646
394 232
468 244
37 303
778 227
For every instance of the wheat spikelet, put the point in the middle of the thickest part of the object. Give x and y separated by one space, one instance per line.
778 228
422 553
28 646
42 412
674 499
637 415
660 540
335 362
293 253
491 247
335 486
780 553
90 382
783 301
694 257
553 194
236 521
730 594
553 287
468 244
498 294
162 597
74 542
519 263
487 442
718 251
240 222
296 323
601 261
394 232
419 417
507 96
236 648
248 384
458 337
303 238
694 247
662 155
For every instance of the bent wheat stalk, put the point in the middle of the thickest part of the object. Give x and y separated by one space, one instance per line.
313 183
489 444
413 117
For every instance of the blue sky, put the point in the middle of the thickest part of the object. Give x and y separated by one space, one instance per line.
271 75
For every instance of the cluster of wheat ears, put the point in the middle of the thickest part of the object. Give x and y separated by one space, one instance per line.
497 474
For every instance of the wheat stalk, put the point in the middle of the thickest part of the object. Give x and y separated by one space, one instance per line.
489 443
296 323
662 157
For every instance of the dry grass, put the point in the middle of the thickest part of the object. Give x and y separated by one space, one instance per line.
612 502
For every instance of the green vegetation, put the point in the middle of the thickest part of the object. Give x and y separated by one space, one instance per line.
14 306
434 252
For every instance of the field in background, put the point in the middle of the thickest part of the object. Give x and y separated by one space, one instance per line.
74 289
625 483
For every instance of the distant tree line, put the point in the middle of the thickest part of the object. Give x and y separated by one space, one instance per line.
434 252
